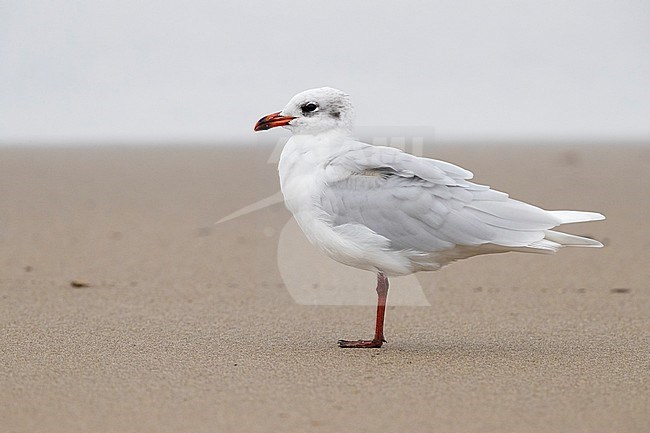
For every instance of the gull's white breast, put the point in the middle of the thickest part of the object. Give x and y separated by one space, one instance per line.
304 173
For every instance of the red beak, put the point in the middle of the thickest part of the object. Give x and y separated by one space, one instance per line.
271 121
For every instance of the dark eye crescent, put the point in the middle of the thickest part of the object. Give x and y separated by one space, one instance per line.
309 107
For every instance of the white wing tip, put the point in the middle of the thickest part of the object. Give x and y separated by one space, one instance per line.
574 216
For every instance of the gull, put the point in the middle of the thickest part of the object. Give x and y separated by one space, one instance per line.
383 210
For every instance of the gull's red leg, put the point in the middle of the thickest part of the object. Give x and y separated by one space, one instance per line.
382 294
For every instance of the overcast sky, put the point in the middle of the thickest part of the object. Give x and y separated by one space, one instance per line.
207 70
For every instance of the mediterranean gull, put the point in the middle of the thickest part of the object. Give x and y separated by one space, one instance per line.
386 211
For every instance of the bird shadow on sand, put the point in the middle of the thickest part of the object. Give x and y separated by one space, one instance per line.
496 352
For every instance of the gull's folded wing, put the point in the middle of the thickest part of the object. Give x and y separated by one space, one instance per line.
428 205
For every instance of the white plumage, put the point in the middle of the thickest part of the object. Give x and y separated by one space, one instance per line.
384 210
380 209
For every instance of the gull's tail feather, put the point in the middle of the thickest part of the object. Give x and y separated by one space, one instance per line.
553 241
575 216
567 240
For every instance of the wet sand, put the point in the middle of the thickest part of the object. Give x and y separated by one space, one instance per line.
178 324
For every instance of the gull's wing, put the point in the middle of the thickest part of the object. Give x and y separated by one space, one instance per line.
427 205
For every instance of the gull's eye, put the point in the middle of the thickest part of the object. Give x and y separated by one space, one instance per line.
309 107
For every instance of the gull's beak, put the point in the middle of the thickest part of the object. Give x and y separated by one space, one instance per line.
271 121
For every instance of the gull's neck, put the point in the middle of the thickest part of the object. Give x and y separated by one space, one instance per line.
306 156
316 148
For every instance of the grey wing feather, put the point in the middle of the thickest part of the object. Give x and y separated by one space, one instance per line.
364 157
427 205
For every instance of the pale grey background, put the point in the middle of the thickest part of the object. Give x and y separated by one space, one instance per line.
74 71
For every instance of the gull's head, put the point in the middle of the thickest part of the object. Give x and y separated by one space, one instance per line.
312 112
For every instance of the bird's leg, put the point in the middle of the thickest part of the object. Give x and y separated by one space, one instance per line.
382 293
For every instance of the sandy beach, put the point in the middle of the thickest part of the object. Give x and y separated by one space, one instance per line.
123 307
